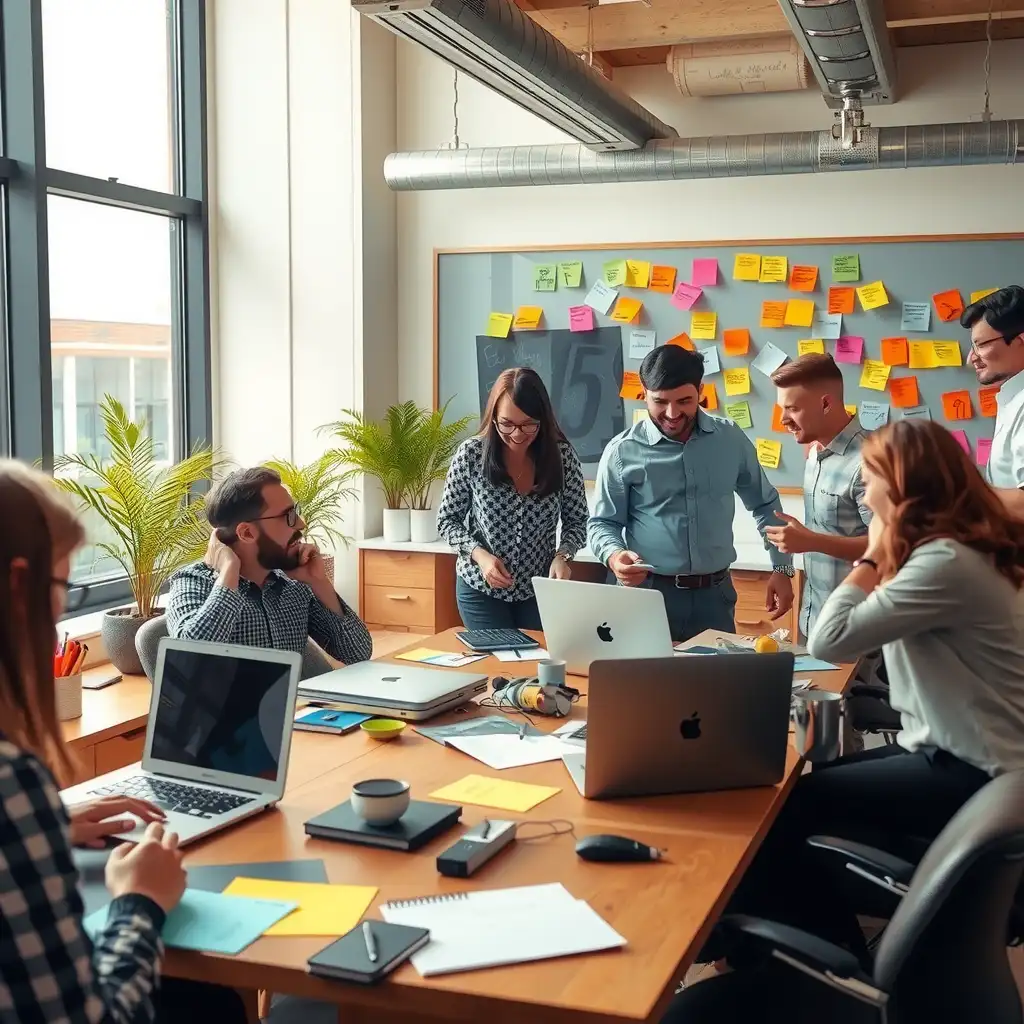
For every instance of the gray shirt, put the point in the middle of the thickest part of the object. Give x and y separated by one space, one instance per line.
952 632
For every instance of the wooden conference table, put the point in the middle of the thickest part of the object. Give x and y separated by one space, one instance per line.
665 910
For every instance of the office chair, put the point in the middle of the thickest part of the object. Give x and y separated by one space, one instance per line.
868 706
941 958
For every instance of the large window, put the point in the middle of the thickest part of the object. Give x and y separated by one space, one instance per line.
104 248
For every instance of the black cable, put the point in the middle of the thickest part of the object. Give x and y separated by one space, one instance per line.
554 829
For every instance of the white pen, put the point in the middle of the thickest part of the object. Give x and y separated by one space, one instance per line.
371 945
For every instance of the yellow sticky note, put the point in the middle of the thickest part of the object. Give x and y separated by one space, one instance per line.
851 409
638 273
872 295
874 374
703 326
922 356
498 325
640 414
774 269
947 353
322 909
500 793
746 266
768 452
527 318
980 295
810 346
627 310
737 382
799 312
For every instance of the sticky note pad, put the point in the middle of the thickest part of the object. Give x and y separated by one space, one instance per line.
737 381
638 273
777 423
846 268
872 295
614 273
874 415
799 313
849 349
682 340
631 389
922 355
739 413
570 275
961 439
948 305
685 295
581 318
769 359
527 318
840 300
983 450
663 279
705 273
802 278
917 412
987 401
810 346
746 266
322 909
626 311
773 314
504 794
894 351
736 341
703 326
827 325
947 353
874 375
769 453
641 342
903 392
499 324
956 405
916 316
545 277
980 295
709 353
773 269
601 297
708 396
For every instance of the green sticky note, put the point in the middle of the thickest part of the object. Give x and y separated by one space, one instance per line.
544 277
739 412
570 275
615 273
846 268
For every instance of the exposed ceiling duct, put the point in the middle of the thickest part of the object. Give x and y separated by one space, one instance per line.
495 43
730 156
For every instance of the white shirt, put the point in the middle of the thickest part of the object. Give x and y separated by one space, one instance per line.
1006 460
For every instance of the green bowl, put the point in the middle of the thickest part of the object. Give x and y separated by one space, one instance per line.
383 728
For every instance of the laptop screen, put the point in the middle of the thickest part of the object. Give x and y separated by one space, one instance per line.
221 713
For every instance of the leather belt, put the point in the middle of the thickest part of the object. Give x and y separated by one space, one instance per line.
684 582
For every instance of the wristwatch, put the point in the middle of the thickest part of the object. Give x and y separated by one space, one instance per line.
786 570
866 561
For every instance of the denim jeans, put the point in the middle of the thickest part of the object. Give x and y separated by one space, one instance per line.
481 611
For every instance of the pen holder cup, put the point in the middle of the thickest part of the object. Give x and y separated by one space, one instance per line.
817 720
69 697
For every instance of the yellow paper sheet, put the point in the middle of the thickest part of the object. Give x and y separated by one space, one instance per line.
737 382
874 374
527 318
498 325
810 346
947 353
322 909
768 452
627 310
922 356
873 295
799 312
746 266
774 269
703 326
503 794
638 273
851 409
980 295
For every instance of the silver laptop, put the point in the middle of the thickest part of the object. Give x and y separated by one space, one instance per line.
585 622
682 725
217 740
394 690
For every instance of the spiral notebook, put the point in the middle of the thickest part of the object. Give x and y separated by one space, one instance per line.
494 927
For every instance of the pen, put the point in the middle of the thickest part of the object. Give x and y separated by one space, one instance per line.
517 654
371 945
485 828
522 730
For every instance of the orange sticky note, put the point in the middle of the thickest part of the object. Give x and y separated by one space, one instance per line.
799 313
956 405
777 423
894 351
903 392
709 397
948 305
802 278
663 279
987 401
527 318
736 341
773 314
840 300
682 340
631 388
627 311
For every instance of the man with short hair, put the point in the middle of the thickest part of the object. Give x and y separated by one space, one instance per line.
665 496
996 323
260 584
834 532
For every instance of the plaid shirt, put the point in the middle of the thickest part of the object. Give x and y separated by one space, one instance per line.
833 503
282 614
49 970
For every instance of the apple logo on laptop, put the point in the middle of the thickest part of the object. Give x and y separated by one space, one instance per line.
604 633
690 727
390 679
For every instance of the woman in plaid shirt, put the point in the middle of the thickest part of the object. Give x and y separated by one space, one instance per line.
50 971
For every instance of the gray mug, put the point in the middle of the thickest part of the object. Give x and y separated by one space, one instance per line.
817 716
551 673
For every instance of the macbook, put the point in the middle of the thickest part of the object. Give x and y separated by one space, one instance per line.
217 739
585 622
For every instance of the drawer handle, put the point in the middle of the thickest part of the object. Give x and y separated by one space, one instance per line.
134 734
750 622
399 597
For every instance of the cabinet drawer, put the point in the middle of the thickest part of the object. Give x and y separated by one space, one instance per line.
120 750
85 763
398 569
399 606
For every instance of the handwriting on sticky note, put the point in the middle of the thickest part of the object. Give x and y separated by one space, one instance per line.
499 324
746 266
581 318
873 295
956 405
773 314
903 392
947 353
739 413
709 353
769 359
948 305
799 313
685 295
570 275
975 296
846 268
627 311
703 326
849 349
987 401
874 415
641 342
921 356
663 279
736 341
983 450
917 412
894 351
614 273
769 453
802 278
810 346
527 318
777 424
545 277
773 269
840 300
601 297
708 396
638 273
705 273
504 794
737 381
916 316
961 439
827 325
874 375
682 340
632 390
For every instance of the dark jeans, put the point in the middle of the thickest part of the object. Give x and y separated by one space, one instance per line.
178 1000
692 611
481 611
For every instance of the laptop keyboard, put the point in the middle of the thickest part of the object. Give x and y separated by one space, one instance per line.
579 734
176 796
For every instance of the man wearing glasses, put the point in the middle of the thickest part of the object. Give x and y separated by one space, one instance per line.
996 323
260 584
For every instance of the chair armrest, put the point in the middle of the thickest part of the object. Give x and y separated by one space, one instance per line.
869 690
818 954
868 858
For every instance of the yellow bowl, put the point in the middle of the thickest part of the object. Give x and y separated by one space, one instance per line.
383 728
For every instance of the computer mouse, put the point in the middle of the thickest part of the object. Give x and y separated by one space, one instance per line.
615 848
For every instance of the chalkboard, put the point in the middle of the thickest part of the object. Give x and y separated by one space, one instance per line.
472 285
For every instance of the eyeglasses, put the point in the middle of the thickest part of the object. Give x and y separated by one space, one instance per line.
507 427
289 515
75 593
977 346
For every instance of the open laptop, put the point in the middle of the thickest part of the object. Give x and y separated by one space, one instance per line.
393 690
683 725
217 740
585 622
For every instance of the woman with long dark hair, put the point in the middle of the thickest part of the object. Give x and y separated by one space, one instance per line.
508 489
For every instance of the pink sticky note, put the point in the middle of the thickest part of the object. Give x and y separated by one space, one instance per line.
961 439
685 295
705 273
849 349
983 451
581 318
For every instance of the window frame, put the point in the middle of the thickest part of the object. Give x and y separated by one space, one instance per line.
26 430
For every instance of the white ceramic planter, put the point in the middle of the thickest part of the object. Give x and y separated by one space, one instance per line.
396 525
423 523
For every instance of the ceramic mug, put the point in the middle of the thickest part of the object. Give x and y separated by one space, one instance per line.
380 802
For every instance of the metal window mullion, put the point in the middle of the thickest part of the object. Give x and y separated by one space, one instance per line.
115 193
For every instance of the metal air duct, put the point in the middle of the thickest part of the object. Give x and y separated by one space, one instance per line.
730 156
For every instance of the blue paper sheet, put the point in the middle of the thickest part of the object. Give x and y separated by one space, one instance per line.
805 663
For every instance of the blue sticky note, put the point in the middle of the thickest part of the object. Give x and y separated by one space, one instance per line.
874 415
827 325
805 663
917 316
211 922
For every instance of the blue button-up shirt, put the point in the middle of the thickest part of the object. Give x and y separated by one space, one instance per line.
672 502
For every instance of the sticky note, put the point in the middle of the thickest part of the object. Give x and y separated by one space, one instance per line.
736 341
527 318
922 356
640 415
601 297
872 295
916 316
499 324
894 351
851 409
874 415
739 413
545 277
773 269
768 452
705 273
947 353
746 266
322 909
709 396
703 326
961 439
504 794
802 278
737 381
769 359
641 342
810 346
917 412
632 390
799 313
773 314
874 375
903 392
987 401
849 349
980 295
627 311
846 268
682 340
956 405
663 279
983 449
777 423
685 295
827 325
948 305
638 273
581 318
570 275
840 300
710 356
614 272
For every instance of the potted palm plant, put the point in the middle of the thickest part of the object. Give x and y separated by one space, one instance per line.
434 444
155 521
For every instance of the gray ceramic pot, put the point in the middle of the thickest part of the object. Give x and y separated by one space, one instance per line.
118 630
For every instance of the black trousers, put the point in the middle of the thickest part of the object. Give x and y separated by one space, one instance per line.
196 1002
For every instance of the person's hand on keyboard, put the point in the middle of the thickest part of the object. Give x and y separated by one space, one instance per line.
150 868
95 821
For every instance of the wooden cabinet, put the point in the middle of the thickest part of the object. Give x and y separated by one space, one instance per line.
751 617
119 751
407 591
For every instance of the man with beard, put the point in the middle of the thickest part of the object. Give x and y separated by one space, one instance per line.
664 498
260 584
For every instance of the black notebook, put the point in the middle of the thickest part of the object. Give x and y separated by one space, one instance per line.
348 959
421 822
